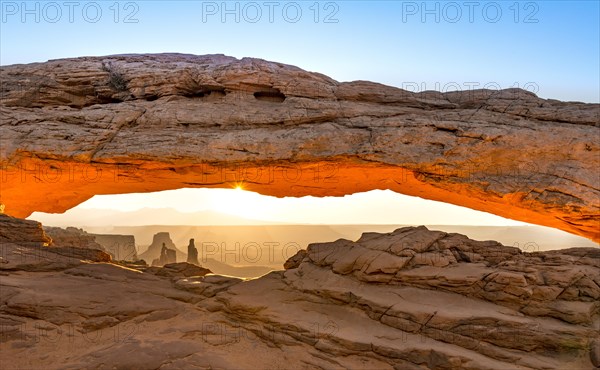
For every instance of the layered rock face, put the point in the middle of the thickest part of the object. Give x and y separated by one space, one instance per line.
74 128
411 299
24 245
22 232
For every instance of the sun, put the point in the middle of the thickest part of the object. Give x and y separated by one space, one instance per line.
239 201
238 185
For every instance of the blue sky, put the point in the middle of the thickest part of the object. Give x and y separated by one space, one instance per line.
549 47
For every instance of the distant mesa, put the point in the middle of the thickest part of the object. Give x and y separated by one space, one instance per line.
155 252
121 247
163 252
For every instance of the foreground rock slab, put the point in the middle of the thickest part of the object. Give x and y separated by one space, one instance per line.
73 128
410 299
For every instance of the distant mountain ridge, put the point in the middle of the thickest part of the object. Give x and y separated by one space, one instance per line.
142 217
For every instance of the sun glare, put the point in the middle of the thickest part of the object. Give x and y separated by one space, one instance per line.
377 207
240 202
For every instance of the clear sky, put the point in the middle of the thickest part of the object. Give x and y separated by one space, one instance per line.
548 47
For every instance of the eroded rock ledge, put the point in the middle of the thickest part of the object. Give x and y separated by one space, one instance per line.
410 299
74 128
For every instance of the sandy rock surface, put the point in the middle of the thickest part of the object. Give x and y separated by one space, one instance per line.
410 299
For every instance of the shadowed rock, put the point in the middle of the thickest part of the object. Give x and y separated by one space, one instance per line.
167 256
178 270
192 253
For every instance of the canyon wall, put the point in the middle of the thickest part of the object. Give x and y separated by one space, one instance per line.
121 247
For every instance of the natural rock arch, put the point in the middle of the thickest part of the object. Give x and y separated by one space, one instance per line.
69 132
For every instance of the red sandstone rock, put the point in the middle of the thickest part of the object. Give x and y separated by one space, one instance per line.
73 128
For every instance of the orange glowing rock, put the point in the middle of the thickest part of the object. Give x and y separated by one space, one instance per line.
68 132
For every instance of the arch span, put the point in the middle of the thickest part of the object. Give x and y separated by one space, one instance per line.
70 132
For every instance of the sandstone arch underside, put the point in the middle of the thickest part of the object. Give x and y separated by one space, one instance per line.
74 128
